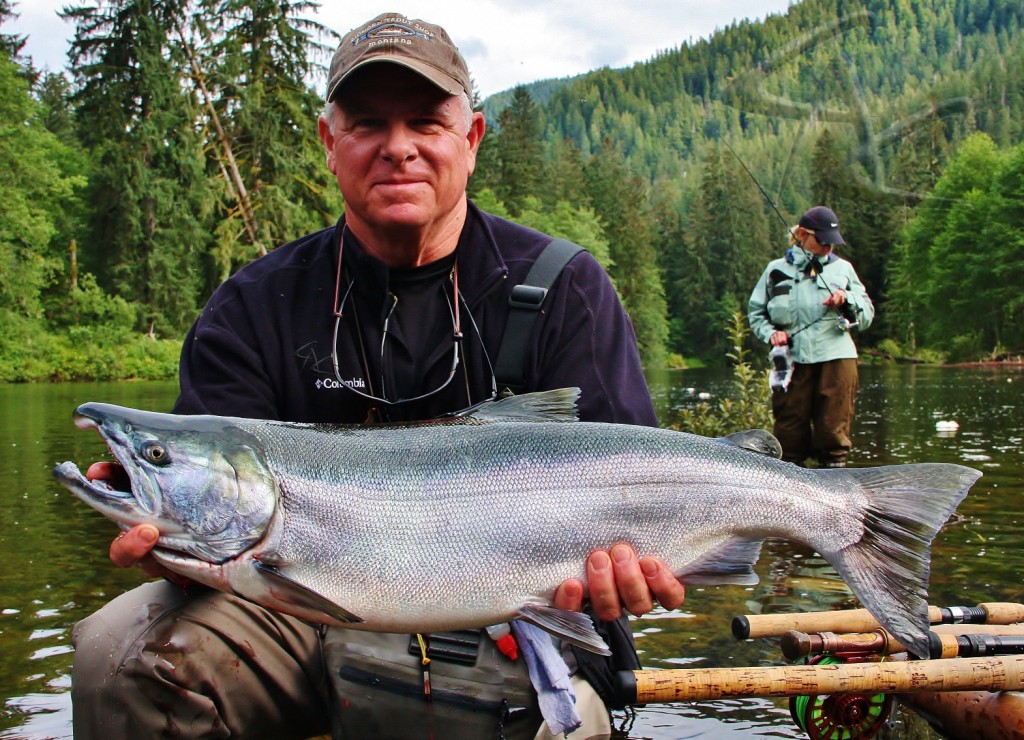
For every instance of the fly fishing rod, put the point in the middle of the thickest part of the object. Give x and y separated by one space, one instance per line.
998 673
765 195
847 317
860 620
961 641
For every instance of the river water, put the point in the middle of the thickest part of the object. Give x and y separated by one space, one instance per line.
56 571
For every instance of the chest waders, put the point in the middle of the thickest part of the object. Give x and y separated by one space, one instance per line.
380 682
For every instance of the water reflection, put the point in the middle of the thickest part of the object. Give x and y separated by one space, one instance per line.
56 569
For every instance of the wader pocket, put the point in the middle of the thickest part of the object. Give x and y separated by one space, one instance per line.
377 688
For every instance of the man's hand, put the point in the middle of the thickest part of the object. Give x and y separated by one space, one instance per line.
133 546
618 579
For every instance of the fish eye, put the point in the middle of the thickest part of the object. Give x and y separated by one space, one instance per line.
155 453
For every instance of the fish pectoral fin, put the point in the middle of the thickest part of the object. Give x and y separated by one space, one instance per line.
576 628
731 563
289 590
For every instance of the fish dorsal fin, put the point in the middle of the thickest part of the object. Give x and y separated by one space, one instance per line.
289 590
576 628
755 440
554 405
730 563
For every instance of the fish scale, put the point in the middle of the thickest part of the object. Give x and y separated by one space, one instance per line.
473 521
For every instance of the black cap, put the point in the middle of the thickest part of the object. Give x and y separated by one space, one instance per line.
824 223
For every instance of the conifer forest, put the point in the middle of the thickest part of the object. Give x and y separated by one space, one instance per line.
179 143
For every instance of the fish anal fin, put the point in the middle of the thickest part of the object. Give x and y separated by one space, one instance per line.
288 590
731 563
576 628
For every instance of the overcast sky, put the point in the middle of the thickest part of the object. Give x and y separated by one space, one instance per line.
505 42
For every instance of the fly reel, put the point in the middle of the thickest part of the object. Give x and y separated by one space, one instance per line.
840 716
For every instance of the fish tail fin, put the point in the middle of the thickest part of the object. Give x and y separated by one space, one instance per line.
888 569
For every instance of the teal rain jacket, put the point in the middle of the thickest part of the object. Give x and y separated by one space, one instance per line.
789 297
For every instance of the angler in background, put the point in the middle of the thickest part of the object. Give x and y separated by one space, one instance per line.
806 305
399 312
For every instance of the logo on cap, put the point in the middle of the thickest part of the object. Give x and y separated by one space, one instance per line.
391 32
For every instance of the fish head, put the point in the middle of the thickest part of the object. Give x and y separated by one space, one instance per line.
201 480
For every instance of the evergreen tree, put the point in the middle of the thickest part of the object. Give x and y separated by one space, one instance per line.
137 115
520 155
252 58
727 244
622 200
10 44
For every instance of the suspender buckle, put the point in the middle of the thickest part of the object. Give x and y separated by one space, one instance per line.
527 296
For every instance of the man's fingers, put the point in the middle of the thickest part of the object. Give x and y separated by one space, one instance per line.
131 546
618 579
569 596
669 592
604 596
633 589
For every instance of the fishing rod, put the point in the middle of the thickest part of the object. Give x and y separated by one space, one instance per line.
996 673
861 620
963 641
767 197
847 318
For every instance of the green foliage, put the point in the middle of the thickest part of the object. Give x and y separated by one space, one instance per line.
90 306
184 146
629 226
520 157
748 405
960 255
577 224
726 246
31 351
33 190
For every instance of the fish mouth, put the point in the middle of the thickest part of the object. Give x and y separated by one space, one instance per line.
119 505
129 490
119 488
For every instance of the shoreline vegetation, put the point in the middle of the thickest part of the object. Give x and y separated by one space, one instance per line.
136 182
84 356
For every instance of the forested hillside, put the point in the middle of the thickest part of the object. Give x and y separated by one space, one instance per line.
857 105
181 143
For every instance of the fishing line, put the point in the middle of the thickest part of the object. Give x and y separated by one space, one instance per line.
789 230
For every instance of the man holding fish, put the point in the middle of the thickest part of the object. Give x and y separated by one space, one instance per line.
395 314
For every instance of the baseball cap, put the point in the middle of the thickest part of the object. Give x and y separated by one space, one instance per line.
415 44
824 223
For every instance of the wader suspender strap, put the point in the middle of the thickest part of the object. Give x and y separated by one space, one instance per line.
524 305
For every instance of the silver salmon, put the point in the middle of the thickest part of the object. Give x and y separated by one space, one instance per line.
476 520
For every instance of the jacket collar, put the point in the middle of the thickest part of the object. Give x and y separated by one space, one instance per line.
481 266
801 258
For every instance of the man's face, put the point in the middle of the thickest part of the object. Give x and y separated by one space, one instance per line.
402 151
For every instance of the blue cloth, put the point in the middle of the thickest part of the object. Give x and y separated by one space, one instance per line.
550 678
